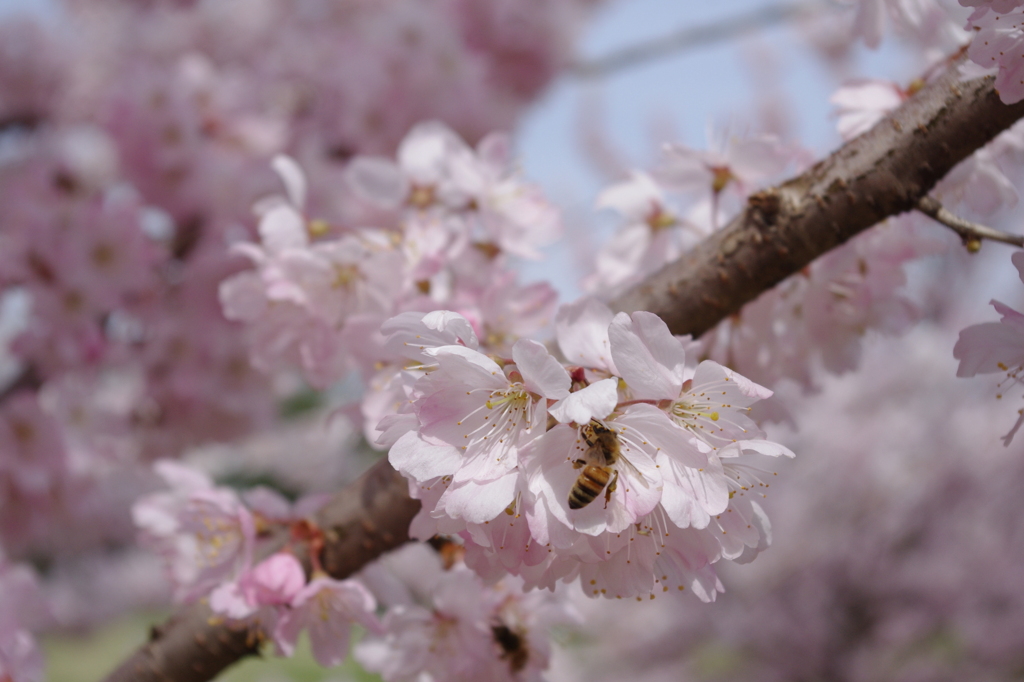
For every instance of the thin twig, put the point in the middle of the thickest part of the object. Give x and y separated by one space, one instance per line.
971 233
689 38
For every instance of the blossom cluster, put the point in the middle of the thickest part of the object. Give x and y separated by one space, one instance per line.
899 559
316 297
816 319
158 316
130 159
134 140
621 465
444 623
439 619
207 537
813 320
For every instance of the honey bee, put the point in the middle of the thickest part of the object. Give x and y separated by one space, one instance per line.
603 451
450 551
513 646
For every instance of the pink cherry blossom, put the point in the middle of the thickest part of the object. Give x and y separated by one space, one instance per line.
412 334
722 176
999 42
655 233
437 172
996 347
1000 6
32 454
450 625
581 328
327 607
275 581
863 103
554 470
204 533
709 403
472 418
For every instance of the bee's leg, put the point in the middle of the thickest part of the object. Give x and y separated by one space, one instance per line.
579 464
611 488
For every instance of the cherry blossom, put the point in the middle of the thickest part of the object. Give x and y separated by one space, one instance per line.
863 103
328 608
725 174
204 533
443 622
654 235
275 581
999 44
436 170
33 456
179 301
996 347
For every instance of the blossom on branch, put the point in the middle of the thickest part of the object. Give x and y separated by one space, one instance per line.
993 347
999 44
204 533
328 608
628 480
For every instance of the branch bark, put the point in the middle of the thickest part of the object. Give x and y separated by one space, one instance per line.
884 172
367 518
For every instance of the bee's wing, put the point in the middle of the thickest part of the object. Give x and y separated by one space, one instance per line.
633 470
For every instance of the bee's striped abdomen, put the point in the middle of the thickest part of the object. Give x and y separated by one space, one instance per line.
588 486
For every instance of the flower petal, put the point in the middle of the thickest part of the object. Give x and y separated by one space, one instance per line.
542 373
594 401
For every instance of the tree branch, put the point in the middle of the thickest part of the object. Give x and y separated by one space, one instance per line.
689 38
971 233
366 519
884 172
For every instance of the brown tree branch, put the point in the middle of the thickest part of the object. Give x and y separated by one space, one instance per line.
368 518
971 233
884 172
